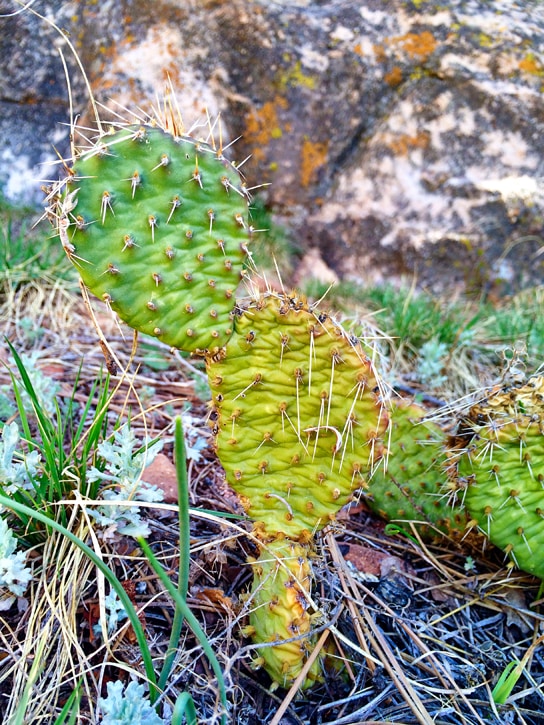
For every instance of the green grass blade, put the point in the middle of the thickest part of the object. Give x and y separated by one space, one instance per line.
84 443
51 448
395 530
183 504
42 418
191 620
184 708
38 665
184 549
21 408
109 575
506 683
69 713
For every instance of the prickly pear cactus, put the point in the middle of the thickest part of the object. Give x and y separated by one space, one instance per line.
281 611
411 482
157 227
501 471
298 415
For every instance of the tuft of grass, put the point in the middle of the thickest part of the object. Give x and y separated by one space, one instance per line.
26 252
517 323
54 516
512 673
65 550
75 562
425 341
408 316
34 279
446 347
64 440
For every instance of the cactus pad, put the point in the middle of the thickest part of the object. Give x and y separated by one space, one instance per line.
298 415
280 611
157 227
502 468
410 483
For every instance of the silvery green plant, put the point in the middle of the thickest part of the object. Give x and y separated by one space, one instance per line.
196 439
127 707
430 365
14 575
115 612
46 388
124 461
16 474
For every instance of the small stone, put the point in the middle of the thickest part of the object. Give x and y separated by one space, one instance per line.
162 474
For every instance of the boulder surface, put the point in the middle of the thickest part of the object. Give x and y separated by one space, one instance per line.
400 139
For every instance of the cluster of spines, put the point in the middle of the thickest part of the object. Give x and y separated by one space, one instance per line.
299 420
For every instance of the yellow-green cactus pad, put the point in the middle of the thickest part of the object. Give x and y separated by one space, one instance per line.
410 483
298 415
157 227
281 611
502 469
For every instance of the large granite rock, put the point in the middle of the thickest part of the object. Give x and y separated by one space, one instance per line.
400 138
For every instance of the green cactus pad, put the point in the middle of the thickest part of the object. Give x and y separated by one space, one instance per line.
298 415
157 227
502 469
280 611
410 483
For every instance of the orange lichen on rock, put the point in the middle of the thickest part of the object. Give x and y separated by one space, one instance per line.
402 144
313 156
380 53
394 77
263 124
531 65
416 45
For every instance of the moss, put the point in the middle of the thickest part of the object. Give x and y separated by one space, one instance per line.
485 41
